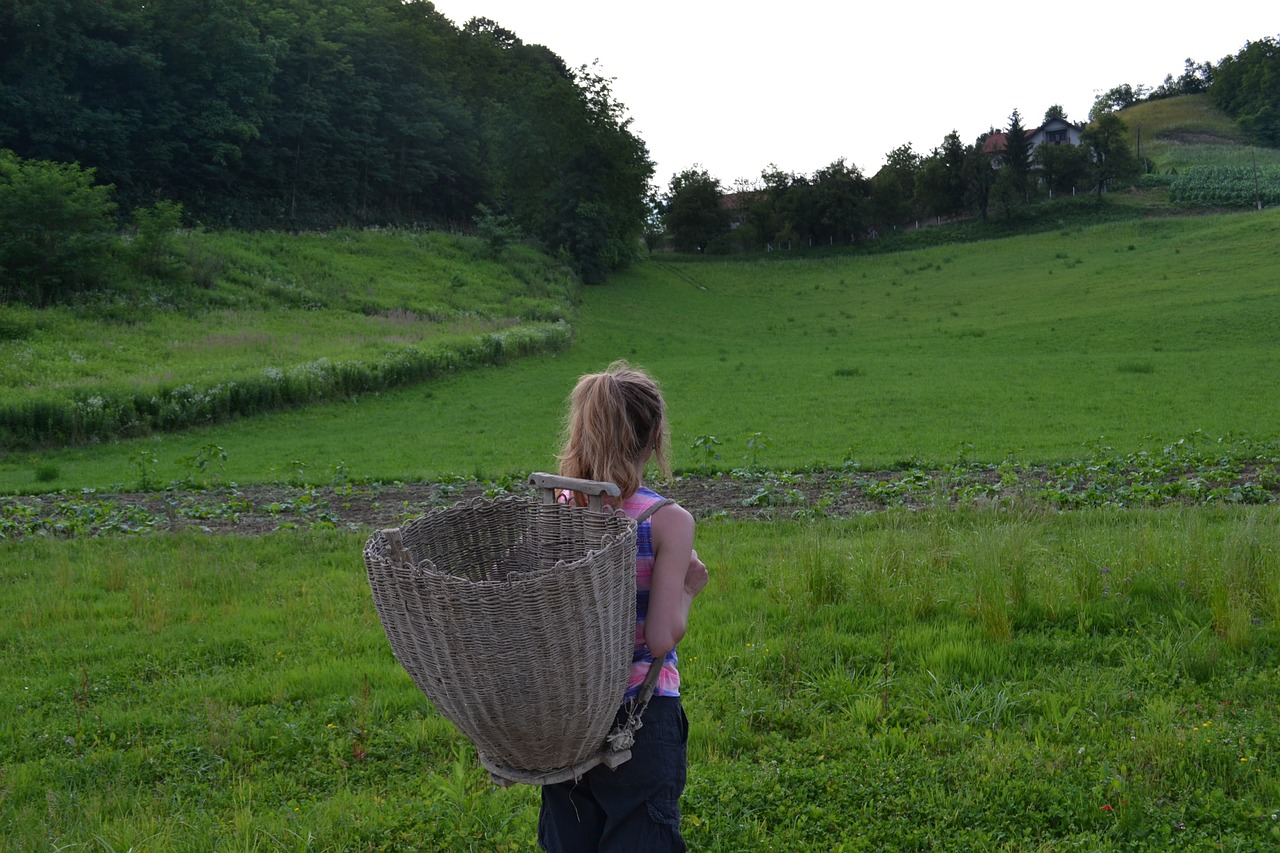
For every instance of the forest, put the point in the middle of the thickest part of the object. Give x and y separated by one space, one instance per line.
298 114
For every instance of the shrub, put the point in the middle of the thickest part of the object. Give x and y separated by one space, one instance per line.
153 248
56 229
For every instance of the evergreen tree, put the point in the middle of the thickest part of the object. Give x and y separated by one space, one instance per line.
1015 161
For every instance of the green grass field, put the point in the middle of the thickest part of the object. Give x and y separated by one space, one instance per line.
948 681
1130 335
284 318
1001 676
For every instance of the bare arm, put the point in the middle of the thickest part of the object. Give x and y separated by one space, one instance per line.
678 576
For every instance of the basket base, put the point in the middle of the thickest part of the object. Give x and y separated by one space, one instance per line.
505 777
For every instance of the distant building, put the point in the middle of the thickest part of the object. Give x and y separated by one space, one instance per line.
1055 131
738 204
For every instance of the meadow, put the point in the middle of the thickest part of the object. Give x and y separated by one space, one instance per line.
1129 335
948 681
1190 132
271 321
986 673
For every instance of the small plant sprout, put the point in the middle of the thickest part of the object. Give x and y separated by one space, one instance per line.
757 444
706 445
144 460
197 465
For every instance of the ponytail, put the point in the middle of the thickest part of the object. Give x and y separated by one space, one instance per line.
615 419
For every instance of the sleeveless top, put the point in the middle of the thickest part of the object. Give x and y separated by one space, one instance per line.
669 680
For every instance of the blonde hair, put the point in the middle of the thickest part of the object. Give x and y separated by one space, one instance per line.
615 419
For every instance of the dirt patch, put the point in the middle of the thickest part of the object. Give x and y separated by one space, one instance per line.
1187 137
252 510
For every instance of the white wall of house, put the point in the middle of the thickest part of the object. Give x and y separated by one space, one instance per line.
1056 132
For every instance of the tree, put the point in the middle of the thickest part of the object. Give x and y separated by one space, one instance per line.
1054 112
838 211
1108 144
56 229
931 185
1015 170
294 113
1116 98
890 203
905 163
1062 167
1247 88
1194 80
939 184
980 175
692 211
767 216
953 159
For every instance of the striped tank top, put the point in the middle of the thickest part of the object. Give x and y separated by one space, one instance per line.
669 680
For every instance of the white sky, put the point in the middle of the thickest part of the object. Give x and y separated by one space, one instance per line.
733 87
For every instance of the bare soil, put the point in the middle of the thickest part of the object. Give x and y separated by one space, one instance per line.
259 509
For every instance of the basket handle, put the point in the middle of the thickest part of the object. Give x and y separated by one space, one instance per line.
593 489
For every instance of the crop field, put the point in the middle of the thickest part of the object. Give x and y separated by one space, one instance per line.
1227 186
1050 622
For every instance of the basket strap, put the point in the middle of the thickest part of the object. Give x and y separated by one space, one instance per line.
647 686
624 735
651 509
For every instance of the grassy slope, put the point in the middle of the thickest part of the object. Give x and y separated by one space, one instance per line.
279 301
1133 334
1178 133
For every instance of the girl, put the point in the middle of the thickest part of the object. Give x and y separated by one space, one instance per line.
617 423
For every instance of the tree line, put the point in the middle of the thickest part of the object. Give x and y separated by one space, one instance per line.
838 204
303 114
1245 86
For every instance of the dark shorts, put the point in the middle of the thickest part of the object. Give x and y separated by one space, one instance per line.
633 808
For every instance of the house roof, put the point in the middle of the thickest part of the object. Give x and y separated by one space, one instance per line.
740 200
1059 122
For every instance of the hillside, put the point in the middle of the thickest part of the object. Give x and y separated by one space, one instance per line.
1176 134
1131 335
277 321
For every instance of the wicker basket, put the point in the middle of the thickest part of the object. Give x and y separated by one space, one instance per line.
516 618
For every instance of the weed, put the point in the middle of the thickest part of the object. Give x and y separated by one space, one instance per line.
144 461
705 446
757 445
197 465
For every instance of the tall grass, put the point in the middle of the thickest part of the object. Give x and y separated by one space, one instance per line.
845 686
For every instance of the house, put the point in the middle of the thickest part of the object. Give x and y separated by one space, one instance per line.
738 204
1055 131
